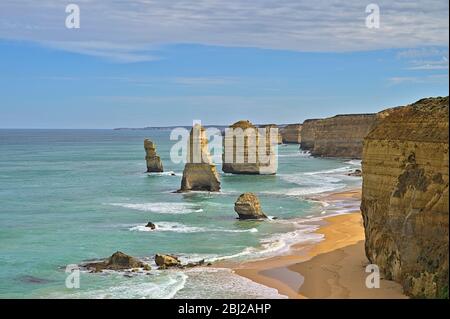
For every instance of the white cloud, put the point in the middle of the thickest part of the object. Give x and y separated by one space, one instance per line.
126 31
434 78
441 64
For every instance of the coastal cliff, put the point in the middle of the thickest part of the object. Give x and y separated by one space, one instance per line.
243 153
291 133
308 134
342 135
405 196
199 173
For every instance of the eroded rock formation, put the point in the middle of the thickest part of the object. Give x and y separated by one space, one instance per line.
166 261
154 164
291 133
247 206
118 261
405 196
273 126
199 173
246 151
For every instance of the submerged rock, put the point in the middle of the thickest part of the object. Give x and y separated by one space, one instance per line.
248 207
154 164
356 172
150 225
199 173
166 261
118 261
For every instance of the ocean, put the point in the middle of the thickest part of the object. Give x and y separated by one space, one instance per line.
67 196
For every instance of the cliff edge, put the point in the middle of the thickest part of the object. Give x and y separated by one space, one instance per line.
405 196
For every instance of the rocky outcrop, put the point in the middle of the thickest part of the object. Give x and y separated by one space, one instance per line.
291 133
150 225
355 173
154 164
246 151
342 135
166 261
199 173
405 204
247 206
118 261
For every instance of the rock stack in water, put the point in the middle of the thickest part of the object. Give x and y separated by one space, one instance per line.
154 164
405 204
243 153
247 206
199 173
279 138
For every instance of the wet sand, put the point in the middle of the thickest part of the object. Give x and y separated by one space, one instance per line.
331 268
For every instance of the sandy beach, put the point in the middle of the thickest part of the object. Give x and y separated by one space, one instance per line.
331 268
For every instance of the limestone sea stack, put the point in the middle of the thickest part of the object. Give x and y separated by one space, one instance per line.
154 164
246 151
247 206
199 173
291 133
405 204
273 126
337 136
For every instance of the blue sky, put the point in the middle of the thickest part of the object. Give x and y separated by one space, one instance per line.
217 63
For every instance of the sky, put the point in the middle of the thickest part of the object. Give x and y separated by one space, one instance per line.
168 62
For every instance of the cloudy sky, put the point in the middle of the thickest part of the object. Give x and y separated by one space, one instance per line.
167 62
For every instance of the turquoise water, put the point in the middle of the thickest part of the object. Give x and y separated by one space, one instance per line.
67 196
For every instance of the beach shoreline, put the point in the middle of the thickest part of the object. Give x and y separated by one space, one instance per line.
331 268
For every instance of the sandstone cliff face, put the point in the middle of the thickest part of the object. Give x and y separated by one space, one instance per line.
247 152
308 134
154 163
291 133
199 172
341 135
405 196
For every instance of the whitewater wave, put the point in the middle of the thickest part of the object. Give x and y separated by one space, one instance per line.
181 228
162 208
338 170
298 154
223 283
277 243
161 285
170 173
354 162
